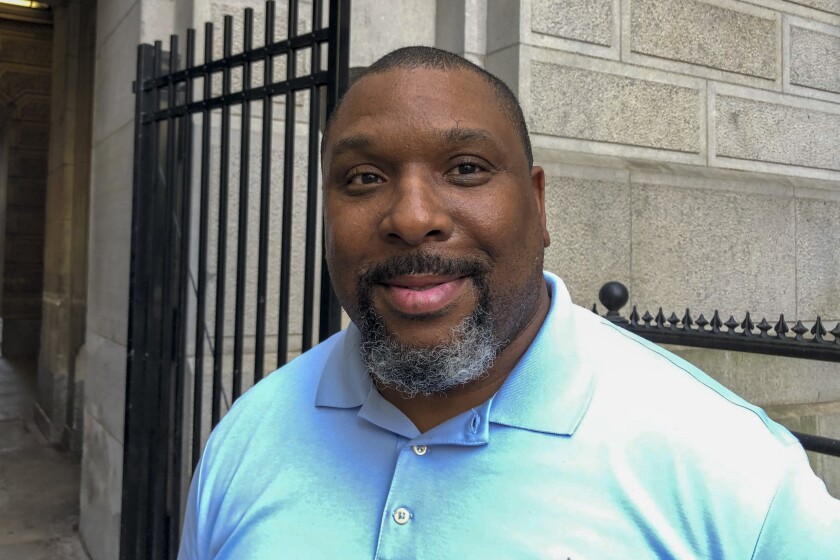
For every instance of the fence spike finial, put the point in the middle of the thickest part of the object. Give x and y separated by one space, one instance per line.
799 329
716 322
747 325
673 320
818 330
660 319
764 326
687 321
701 323
634 316
781 327
731 323
836 332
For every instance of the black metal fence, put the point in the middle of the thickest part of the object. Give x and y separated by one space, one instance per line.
777 339
216 256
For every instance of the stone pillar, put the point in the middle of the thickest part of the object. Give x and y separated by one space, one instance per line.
65 251
461 28
121 25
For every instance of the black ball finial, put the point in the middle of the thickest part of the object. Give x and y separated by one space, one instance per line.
613 296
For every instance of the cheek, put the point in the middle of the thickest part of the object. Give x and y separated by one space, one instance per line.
357 219
340 228
347 234
503 227
341 269
336 246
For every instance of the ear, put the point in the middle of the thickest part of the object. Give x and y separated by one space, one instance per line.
538 190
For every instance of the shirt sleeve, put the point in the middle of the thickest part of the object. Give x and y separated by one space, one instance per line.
189 548
803 521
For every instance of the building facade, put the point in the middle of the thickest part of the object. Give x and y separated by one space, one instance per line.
691 148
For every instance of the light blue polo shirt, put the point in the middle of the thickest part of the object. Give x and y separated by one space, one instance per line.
599 445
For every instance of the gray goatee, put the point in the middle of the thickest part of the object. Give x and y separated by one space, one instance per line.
465 356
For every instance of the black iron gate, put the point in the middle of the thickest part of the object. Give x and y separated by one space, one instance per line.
217 259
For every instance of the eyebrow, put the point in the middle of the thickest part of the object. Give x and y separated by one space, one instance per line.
351 143
466 135
453 136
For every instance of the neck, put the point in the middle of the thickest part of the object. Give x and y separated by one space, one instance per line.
428 411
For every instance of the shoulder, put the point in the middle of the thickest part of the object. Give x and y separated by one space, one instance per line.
255 432
670 431
633 371
276 404
661 412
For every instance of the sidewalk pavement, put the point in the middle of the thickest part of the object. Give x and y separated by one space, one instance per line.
39 484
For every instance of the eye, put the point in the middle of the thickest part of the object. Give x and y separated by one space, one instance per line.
364 179
468 173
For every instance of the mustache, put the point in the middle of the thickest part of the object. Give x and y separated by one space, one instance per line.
420 263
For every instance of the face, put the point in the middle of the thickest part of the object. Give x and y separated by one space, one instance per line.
433 218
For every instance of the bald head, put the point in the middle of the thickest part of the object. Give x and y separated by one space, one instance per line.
408 58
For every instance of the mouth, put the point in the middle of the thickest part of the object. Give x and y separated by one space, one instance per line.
421 294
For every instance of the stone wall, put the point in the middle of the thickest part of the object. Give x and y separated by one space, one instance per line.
692 150
25 55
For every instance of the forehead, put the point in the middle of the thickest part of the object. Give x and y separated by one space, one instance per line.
404 101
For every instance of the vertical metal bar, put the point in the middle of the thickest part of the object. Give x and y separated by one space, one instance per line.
341 26
201 288
311 222
265 197
292 27
157 476
183 235
154 364
133 520
221 264
288 188
338 71
311 197
167 330
317 16
242 229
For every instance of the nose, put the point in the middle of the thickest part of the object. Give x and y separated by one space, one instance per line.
417 213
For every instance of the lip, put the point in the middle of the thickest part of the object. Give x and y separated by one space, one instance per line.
422 294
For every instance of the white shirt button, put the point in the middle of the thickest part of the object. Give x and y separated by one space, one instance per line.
419 449
401 516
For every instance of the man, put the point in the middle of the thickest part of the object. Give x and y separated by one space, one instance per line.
470 410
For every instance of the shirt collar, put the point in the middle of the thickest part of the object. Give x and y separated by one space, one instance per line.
344 382
549 390
551 387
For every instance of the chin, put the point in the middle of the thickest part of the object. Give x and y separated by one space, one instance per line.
430 338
